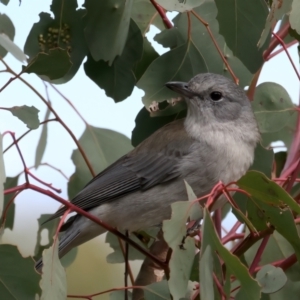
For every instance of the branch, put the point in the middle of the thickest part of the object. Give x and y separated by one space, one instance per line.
282 33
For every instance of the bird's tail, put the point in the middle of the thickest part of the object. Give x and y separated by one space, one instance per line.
65 245
76 232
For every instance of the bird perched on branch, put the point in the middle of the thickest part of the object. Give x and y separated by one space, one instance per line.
215 142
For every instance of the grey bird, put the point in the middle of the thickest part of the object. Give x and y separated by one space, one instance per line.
216 141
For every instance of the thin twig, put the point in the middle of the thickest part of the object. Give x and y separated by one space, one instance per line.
259 253
25 133
12 134
287 53
217 46
56 116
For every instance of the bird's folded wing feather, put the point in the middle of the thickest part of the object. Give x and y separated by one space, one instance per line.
147 165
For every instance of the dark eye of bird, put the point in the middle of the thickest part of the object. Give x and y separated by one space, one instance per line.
216 96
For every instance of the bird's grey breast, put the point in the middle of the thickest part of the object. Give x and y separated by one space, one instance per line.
221 152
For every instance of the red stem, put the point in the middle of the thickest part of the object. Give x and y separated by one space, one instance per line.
281 50
162 14
49 185
258 254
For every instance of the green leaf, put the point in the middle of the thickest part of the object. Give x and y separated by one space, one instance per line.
102 147
117 256
180 68
6 27
148 56
182 256
180 6
10 216
243 31
54 65
206 274
107 42
202 41
271 279
290 291
278 9
157 291
249 288
272 107
54 280
280 159
3 179
27 114
170 38
11 47
5 2
146 125
196 211
18 280
144 14
64 31
119 295
283 221
118 79
294 16
262 188
263 160
277 248
51 229
41 147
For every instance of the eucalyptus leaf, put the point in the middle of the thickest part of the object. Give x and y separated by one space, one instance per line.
11 47
243 31
2 178
102 147
278 9
41 147
206 274
180 6
157 291
107 42
272 107
18 279
183 253
117 79
180 69
144 14
27 114
65 30
294 16
249 288
271 279
54 65
7 28
54 281
10 182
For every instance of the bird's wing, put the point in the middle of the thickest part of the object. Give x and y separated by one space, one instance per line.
153 162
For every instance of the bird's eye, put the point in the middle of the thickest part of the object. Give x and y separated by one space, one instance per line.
216 96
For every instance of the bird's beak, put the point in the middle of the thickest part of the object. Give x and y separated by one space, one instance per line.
181 88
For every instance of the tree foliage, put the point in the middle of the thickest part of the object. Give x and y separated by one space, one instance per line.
258 258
